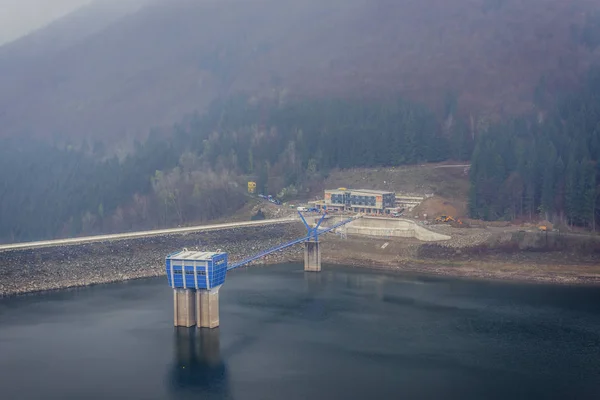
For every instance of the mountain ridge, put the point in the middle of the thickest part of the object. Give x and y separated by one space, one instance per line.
168 59
69 29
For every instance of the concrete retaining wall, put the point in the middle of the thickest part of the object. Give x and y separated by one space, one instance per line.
388 227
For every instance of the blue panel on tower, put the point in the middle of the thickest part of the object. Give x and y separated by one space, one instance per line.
196 269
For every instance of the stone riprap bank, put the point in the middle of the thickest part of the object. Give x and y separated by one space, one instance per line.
58 267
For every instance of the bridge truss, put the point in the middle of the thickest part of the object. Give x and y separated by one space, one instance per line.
312 235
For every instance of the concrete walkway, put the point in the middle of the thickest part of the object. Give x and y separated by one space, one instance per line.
132 235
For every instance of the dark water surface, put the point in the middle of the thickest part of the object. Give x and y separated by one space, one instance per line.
341 334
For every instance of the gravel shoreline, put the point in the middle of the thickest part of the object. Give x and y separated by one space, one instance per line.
77 265
60 267
551 267
473 271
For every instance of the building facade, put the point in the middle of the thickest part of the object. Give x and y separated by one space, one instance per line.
360 200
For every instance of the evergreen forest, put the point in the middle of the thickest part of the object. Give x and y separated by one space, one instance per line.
542 166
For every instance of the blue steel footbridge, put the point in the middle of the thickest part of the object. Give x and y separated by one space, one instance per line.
312 235
197 276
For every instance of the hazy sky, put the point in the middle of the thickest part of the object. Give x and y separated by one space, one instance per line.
18 17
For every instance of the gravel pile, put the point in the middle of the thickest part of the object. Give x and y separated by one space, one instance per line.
23 271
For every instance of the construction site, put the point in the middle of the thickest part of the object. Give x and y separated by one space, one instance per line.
411 214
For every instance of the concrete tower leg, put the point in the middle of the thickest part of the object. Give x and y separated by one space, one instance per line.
183 307
207 308
312 257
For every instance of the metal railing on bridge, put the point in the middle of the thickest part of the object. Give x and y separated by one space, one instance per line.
313 234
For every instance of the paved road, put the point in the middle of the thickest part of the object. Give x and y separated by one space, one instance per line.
131 235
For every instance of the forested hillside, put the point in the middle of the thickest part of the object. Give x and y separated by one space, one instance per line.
196 174
537 165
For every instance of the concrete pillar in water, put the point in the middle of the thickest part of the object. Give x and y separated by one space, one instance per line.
184 308
312 257
207 307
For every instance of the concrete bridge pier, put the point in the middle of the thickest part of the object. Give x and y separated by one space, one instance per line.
312 256
184 309
207 307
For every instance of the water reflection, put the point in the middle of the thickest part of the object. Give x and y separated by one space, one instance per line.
198 367
315 283
353 281
370 285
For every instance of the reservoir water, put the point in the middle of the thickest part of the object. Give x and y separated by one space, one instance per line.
341 334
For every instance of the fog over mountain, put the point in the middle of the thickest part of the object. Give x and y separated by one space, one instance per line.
19 17
112 73
90 17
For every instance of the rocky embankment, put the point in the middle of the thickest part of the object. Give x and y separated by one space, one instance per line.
32 270
474 253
